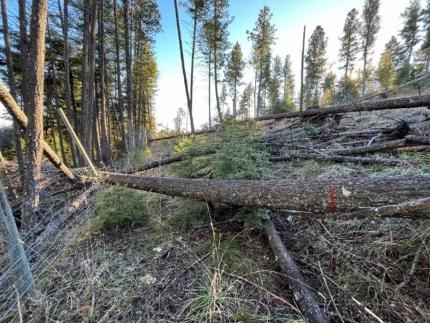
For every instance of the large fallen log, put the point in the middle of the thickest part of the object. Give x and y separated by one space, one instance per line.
323 197
337 158
388 104
401 103
302 294
21 119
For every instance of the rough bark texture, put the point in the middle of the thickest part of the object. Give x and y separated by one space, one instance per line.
335 158
34 134
320 196
302 294
370 149
408 102
9 103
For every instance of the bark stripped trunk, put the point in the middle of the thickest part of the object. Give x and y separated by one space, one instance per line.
323 197
12 87
34 134
302 294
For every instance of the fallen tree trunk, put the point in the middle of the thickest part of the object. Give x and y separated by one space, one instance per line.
401 103
388 104
401 210
21 119
201 132
324 197
418 139
369 149
167 161
337 158
407 141
302 294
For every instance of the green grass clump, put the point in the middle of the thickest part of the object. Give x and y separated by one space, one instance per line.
192 215
120 207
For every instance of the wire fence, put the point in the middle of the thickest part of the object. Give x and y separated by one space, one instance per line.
64 210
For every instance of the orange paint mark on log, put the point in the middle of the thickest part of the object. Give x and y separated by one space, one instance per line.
332 197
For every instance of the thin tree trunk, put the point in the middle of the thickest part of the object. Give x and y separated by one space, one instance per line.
364 76
130 110
193 51
64 19
12 87
118 81
302 70
235 99
209 89
184 73
24 49
215 46
105 146
34 135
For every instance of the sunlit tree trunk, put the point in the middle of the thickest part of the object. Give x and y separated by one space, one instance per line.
34 134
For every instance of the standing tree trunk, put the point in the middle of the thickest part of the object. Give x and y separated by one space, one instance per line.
129 77
364 76
121 124
184 73
64 18
215 45
34 135
105 146
193 52
88 80
209 89
23 47
302 69
12 86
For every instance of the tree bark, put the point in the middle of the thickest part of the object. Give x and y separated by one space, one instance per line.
12 87
118 81
209 89
215 44
302 70
9 103
105 145
64 18
34 134
323 197
407 102
23 46
88 79
130 110
337 158
302 294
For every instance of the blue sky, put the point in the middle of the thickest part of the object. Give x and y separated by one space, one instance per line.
289 16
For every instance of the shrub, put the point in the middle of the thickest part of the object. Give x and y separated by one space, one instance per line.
120 207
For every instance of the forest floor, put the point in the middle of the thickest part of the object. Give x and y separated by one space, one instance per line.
186 264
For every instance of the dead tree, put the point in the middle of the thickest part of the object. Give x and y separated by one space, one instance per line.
320 198
302 294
